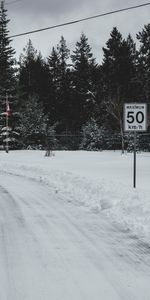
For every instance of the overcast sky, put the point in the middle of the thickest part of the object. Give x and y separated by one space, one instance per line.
27 15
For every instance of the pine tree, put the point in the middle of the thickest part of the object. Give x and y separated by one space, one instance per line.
64 54
118 74
7 69
33 123
7 62
133 86
53 63
144 61
84 93
118 65
53 67
33 78
27 76
60 85
92 136
64 91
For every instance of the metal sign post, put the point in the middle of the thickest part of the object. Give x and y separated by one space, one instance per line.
134 162
135 120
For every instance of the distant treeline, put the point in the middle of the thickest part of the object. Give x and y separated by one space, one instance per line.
68 94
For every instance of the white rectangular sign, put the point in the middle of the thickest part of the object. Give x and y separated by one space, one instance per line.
135 117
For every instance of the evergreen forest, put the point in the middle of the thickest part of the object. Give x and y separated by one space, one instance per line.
69 101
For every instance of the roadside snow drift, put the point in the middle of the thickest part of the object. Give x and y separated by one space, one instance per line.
72 227
97 180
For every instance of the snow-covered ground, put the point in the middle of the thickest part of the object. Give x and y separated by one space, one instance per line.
73 227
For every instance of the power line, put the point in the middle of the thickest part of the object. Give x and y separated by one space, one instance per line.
80 20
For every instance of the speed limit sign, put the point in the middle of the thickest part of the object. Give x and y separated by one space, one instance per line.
135 120
135 117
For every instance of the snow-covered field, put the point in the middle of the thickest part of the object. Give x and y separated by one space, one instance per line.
72 227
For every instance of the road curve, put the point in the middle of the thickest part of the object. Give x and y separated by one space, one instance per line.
52 249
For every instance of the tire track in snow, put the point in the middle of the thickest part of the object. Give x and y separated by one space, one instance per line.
8 289
72 274
51 228
17 253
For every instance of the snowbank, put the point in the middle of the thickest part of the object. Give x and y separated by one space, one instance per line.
101 181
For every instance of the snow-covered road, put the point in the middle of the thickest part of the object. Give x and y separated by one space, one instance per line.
54 249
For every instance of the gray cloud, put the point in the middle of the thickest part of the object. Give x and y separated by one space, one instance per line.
40 7
26 15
